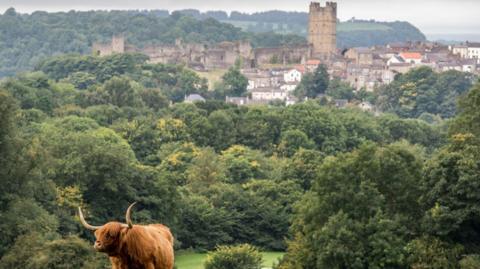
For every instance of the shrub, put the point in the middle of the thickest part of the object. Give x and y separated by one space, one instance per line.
234 257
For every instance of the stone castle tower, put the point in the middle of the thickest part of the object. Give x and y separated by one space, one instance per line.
322 29
118 44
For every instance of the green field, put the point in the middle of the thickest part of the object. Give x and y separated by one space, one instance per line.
361 26
213 76
195 260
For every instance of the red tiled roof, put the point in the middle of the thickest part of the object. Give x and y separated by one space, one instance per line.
313 62
300 68
411 55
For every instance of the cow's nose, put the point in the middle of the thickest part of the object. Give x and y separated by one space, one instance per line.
96 245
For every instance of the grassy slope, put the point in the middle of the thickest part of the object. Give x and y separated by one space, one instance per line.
196 260
362 26
341 27
212 76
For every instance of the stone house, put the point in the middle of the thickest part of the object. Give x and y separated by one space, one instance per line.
268 94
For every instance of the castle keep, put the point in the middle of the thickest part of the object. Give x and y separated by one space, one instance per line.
322 29
321 45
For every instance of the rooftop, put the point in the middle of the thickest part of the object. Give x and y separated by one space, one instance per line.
313 62
411 55
194 98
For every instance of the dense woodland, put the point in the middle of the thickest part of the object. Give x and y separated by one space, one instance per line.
27 39
335 188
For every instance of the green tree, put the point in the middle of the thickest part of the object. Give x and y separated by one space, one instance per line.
358 205
202 225
222 133
120 92
340 90
233 83
422 90
71 252
206 169
292 141
430 252
302 167
22 217
468 120
313 84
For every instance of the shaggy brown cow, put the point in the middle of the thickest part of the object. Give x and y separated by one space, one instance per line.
133 246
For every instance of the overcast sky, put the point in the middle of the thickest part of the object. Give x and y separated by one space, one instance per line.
431 16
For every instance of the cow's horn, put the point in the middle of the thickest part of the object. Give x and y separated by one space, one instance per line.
128 214
84 223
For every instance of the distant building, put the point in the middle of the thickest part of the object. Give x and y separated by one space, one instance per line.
192 98
468 50
395 59
293 75
268 94
239 101
117 45
360 56
341 103
412 57
312 64
289 87
321 45
322 30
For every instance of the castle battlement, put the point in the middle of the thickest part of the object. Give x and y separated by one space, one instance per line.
317 7
332 5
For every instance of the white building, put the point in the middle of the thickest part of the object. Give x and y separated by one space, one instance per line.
268 94
467 51
474 51
461 50
192 98
395 59
293 75
289 87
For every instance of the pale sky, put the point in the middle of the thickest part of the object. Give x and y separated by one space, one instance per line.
431 16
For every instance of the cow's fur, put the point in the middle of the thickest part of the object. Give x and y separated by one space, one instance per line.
141 246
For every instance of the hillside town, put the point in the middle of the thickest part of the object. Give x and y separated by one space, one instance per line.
274 73
363 68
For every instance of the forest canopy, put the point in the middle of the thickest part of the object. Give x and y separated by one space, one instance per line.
334 188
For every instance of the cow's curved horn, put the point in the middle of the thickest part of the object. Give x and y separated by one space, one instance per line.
84 223
128 214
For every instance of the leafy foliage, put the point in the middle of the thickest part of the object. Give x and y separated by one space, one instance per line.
313 84
236 257
423 91
346 188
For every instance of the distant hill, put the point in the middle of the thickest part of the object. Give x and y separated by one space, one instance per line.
26 39
352 33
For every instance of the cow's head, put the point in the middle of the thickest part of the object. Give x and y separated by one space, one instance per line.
107 236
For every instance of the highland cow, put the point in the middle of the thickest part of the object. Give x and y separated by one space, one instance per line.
133 246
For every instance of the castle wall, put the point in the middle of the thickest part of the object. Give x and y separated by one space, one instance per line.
117 45
101 49
322 29
282 55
